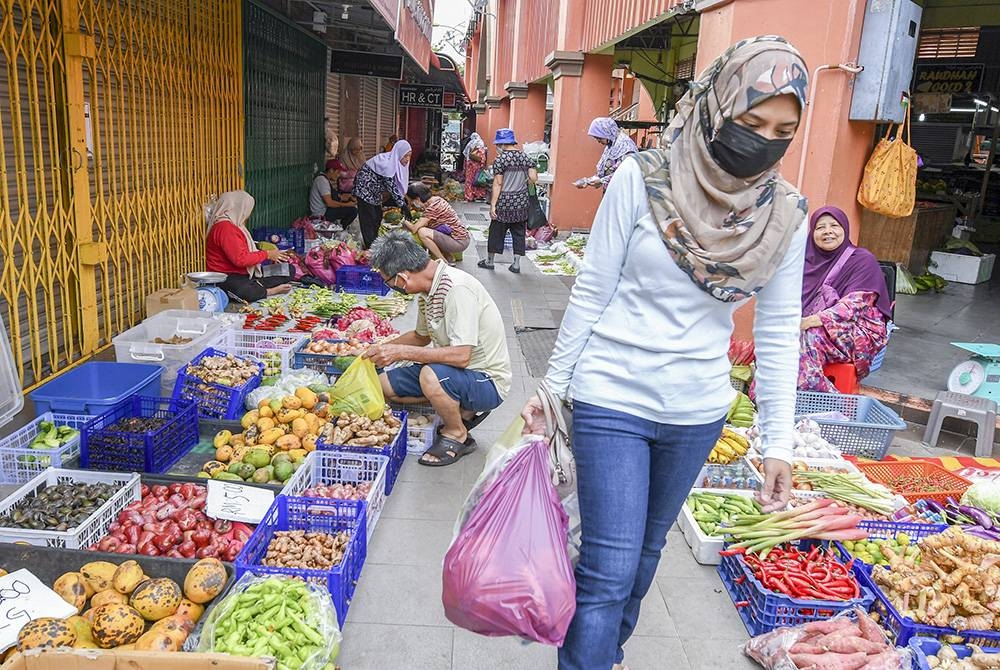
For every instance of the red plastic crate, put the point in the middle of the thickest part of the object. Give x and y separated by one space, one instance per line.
885 473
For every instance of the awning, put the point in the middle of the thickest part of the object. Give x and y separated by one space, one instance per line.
444 73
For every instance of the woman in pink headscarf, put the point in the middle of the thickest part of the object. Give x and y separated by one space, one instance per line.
617 147
384 176
845 302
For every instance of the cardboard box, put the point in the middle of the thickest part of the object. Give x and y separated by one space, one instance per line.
962 269
93 659
171 298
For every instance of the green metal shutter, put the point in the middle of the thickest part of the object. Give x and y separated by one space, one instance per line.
284 90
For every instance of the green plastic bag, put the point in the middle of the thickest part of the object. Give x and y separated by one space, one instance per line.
358 390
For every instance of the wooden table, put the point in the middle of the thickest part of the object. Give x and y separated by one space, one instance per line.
910 239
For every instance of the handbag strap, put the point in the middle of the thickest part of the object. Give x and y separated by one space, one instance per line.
838 266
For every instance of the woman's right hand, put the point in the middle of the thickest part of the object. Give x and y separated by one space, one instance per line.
534 417
277 256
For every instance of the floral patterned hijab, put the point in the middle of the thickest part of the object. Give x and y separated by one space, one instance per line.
728 234
619 143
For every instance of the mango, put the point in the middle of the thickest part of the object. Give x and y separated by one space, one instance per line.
45 632
298 454
205 580
213 468
99 574
265 412
224 453
190 609
74 589
275 405
227 477
127 577
288 442
156 599
265 424
249 419
291 402
300 427
108 597
309 442
116 625
221 438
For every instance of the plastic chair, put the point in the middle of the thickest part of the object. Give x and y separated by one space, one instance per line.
844 377
980 411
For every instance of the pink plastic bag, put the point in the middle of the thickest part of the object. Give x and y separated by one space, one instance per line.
544 234
508 571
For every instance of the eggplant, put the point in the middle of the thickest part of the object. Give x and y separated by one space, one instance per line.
937 508
978 516
984 533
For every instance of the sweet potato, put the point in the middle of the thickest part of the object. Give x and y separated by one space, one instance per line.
826 625
849 645
887 660
806 648
870 630
830 661
850 630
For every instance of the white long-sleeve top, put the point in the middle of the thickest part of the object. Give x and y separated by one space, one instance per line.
640 337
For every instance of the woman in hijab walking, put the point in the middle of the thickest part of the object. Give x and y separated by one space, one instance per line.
230 249
512 171
475 162
845 302
683 237
617 147
385 175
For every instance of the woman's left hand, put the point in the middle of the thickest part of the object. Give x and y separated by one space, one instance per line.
777 485
812 321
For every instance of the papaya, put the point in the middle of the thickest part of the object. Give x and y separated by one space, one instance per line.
270 436
127 577
288 442
116 625
157 598
221 438
74 589
265 424
99 574
224 453
291 402
107 597
190 609
249 419
309 442
205 580
45 632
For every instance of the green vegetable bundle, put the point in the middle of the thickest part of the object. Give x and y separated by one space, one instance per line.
280 617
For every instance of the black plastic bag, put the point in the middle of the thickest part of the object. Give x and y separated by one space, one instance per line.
536 216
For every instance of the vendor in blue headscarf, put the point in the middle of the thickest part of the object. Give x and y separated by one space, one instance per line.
617 147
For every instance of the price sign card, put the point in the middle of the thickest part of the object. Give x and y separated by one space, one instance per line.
24 598
237 502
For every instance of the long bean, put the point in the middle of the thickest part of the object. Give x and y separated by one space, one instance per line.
850 488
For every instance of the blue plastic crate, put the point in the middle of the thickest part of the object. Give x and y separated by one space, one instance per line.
868 430
360 279
901 630
395 451
320 362
317 515
766 610
95 387
215 401
153 451
287 238
922 647
883 530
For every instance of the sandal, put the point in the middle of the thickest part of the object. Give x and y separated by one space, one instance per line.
447 451
486 265
471 423
516 269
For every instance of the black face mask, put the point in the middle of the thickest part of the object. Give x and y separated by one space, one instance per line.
395 288
743 153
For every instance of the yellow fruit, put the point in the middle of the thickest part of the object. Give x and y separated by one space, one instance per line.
287 443
297 454
156 598
275 405
224 453
221 438
237 440
309 442
74 589
250 418
270 436
291 402
289 415
265 424
156 641
99 574
45 632
300 427
108 597
205 580
190 609
308 398
127 577
265 411
81 628
116 625
213 468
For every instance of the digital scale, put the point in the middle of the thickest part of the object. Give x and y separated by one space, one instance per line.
211 298
980 375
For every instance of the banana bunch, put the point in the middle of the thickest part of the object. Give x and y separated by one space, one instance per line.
731 447
741 412
929 282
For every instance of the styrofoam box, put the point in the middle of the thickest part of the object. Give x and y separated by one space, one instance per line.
963 269
136 344
704 547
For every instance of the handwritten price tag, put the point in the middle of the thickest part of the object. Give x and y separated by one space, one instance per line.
24 598
237 502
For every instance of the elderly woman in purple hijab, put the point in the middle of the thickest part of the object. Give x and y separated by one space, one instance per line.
845 302
383 178
617 147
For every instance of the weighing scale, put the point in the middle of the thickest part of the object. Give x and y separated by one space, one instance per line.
211 298
980 375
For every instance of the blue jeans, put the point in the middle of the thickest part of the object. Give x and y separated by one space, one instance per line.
632 476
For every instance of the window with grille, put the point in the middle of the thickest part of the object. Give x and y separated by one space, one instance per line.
941 43
684 68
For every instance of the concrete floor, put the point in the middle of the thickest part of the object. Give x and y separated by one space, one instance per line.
396 619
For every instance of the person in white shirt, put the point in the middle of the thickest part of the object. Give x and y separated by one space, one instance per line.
326 201
683 237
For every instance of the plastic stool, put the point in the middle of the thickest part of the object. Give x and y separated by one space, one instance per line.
844 377
981 411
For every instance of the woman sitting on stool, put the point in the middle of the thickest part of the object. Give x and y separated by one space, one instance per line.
437 226
845 302
230 249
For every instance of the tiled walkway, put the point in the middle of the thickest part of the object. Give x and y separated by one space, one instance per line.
396 621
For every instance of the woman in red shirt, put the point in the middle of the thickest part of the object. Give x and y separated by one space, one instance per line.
230 249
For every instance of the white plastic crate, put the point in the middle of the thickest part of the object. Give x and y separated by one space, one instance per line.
338 467
19 462
88 532
419 438
274 350
136 345
705 548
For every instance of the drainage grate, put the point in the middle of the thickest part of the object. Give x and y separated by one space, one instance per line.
476 217
537 346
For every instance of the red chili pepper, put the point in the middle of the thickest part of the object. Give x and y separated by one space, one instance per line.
740 579
733 552
742 603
